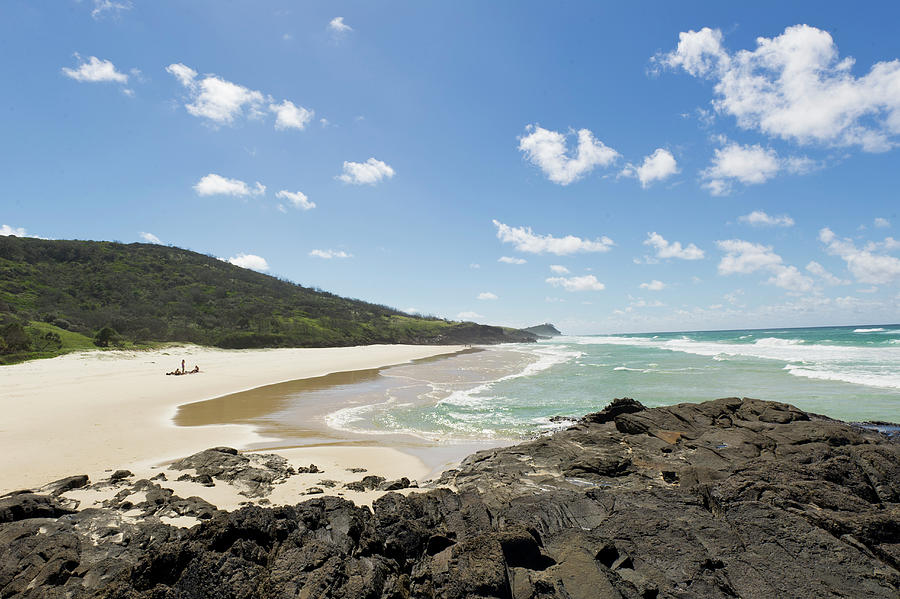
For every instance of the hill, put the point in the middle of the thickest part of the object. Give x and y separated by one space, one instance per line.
58 295
543 330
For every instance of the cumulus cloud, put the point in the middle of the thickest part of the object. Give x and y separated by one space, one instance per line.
882 223
222 102
487 295
297 199
745 257
149 237
821 272
468 315
665 249
653 285
511 260
329 254
657 166
216 99
547 150
95 70
6 230
250 261
289 116
863 264
370 172
337 26
796 87
734 162
559 269
583 283
525 240
213 184
758 218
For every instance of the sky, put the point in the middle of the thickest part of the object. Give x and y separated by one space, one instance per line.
626 167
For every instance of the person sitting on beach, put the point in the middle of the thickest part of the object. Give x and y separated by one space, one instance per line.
195 370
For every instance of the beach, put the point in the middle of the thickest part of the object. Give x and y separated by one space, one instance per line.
95 412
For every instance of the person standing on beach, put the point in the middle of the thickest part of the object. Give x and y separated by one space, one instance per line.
182 367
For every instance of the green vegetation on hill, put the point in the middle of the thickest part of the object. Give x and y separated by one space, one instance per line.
91 293
543 330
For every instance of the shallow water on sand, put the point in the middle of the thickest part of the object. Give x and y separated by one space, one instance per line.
504 394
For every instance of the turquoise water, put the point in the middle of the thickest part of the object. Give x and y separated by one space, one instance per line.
512 391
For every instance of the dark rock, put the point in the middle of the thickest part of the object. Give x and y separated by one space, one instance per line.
328 483
29 505
623 405
368 483
311 469
729 498
356 470
58 487
254 473
121 475
394 485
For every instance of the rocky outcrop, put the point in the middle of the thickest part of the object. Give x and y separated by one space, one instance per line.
730 498
254 473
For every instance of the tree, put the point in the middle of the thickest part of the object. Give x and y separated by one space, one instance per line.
14 338
105 336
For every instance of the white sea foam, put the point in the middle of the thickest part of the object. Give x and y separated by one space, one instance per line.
829 362
548 357
777 342
879 330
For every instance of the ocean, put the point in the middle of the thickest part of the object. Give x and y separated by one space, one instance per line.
498 394
518 391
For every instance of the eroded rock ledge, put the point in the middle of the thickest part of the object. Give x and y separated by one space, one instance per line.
728 498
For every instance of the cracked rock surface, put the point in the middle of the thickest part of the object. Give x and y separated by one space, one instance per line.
728 498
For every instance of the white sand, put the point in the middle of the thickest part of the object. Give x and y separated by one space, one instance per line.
90 412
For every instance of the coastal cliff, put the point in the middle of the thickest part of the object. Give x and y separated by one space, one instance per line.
727 498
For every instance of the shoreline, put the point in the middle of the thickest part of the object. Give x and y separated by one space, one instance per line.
93 412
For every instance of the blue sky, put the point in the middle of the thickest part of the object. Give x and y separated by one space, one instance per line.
642 167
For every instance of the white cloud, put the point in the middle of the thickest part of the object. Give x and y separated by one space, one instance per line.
213 184
888 245
657 166
547 150
469 315
297 199
101 7
185 74
882 222
747 164
866 267
559 269
796 87
6 230
369 172
337 25
584 283
149 237
290 116
250 261
216 99
664 249
821 272
473 265
758 218
511 260
329 254
524 240
487 295
653 285
745 257
95 70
